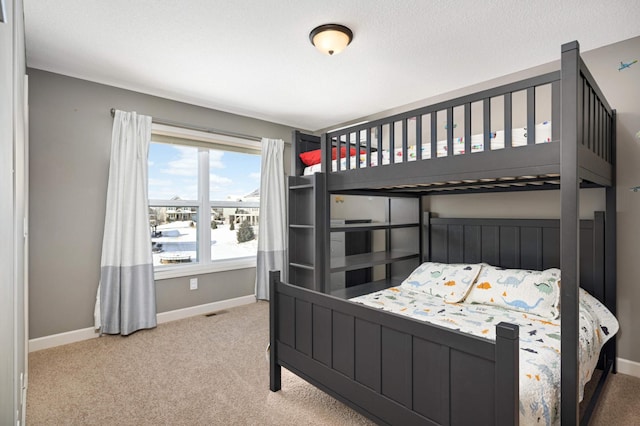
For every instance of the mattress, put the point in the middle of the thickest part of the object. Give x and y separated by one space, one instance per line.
518 138
539 340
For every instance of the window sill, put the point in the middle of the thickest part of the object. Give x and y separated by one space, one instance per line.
166 272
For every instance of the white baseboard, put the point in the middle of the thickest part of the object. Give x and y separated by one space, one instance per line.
625 366
54 340
204 309
47 342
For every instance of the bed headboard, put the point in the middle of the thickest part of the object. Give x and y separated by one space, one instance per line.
516 243
301 143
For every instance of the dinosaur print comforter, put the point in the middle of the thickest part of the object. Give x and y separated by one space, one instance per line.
539 340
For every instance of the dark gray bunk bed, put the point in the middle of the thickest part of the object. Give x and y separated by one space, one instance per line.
397 370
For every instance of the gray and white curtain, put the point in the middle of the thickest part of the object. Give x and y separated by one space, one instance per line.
126 299
273 220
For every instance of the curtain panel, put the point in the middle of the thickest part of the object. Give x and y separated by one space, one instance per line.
126 300
273 209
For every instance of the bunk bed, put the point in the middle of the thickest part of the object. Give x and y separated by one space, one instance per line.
395 369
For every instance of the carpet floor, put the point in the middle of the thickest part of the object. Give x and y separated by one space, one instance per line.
207 370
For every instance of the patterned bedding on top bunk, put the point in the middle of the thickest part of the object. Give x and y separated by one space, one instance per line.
474 298
518 138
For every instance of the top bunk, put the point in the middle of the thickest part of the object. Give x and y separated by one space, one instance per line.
517 136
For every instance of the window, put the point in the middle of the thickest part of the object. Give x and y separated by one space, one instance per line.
204 201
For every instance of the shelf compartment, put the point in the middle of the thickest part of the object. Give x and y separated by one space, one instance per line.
304 186
302 277
365 288
366 260
306 266
374 226
300 251
301 182
302 207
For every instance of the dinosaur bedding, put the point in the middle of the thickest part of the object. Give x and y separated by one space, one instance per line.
474 298
518 138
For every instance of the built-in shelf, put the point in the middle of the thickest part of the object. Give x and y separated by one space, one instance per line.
301 266
370 226
365 260
301 226
306 224
305 186
366 288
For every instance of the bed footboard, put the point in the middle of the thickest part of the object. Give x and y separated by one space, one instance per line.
392 369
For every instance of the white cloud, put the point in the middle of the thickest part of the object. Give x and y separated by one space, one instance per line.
215 159
217 180
186 164
159 182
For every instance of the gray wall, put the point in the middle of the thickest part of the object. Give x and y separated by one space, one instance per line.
622 89
12 211
70 138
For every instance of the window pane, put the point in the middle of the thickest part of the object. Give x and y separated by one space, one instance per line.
234 232
174 235
233 176
234 190
173 172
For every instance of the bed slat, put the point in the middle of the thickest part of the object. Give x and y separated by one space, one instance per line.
486 120
367 355
508 120
467 127
434 134
342 344
531 115
396 364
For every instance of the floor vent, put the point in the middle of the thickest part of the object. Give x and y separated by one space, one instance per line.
213 314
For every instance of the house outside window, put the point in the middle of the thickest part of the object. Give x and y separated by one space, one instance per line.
204 201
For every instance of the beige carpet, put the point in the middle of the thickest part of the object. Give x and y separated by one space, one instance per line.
206 371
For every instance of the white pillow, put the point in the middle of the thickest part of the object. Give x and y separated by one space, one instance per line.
449 281
533 292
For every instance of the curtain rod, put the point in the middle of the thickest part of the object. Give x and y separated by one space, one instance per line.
201 129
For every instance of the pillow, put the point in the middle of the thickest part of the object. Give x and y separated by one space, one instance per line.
533 292
310 158
314 157
446 280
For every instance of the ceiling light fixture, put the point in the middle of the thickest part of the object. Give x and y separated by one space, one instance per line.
331 38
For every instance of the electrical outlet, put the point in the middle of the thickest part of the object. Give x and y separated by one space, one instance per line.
193 284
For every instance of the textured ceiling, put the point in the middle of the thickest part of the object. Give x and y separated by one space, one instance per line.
254 58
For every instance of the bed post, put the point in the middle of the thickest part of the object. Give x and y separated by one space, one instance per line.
569 232
426 237
274 368
610 276
507 374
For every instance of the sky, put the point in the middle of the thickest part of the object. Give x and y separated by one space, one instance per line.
173 171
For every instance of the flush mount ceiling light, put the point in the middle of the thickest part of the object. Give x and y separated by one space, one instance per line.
331 38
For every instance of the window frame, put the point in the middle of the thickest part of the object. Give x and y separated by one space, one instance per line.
204 141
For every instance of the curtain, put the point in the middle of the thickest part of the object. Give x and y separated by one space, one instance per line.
272 228
126 299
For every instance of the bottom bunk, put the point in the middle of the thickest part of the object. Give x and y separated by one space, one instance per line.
539 337
396 369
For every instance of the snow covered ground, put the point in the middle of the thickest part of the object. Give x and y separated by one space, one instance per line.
179 239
